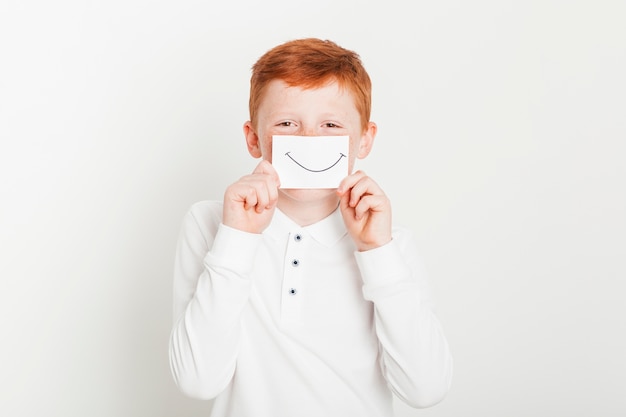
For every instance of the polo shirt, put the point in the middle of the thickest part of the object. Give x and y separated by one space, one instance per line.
296 322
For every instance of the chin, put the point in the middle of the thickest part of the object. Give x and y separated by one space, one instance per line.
309 194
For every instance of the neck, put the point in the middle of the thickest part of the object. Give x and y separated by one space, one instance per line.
307 211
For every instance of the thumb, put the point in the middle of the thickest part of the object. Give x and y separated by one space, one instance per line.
265 167
344 205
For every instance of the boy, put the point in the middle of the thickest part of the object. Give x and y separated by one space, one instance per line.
304 302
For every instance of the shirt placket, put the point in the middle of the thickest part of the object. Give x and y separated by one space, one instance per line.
293 289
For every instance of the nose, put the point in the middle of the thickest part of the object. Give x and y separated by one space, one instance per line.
308 131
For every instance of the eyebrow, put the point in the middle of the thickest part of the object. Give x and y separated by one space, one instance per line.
324 116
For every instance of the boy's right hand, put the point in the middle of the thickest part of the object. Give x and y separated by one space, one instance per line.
250 202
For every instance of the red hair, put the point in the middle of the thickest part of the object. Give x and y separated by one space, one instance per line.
312 63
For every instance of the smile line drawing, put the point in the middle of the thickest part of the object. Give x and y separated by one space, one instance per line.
341 155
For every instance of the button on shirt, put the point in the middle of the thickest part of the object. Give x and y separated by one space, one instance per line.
294 322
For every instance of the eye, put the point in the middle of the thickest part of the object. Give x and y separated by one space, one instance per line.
286 123
331 125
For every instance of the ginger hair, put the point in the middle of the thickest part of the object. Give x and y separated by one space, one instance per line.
312 63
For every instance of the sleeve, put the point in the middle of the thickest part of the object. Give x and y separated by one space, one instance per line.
211 290
415 356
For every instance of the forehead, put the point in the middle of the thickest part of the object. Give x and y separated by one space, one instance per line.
278 93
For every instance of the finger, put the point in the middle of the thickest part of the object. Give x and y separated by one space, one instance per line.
262 193
365 186
344 201
267 190
264 167
348 182
249 197
369 203
255 190
272 192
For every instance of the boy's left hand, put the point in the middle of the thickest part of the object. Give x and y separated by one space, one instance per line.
366 211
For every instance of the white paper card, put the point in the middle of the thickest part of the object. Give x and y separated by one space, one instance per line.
310 161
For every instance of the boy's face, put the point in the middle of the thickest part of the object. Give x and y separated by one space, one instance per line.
324 111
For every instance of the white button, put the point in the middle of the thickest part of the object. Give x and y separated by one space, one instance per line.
292 291
297 237
295 262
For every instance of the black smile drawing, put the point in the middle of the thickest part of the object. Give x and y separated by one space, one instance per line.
313 170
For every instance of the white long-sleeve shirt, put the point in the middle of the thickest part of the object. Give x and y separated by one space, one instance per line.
296 322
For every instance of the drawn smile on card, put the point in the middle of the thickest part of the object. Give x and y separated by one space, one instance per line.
341 156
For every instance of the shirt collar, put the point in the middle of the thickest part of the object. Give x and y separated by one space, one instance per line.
327 231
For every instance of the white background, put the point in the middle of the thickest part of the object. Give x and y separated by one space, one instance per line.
501 143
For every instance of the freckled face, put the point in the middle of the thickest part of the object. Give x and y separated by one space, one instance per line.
325 111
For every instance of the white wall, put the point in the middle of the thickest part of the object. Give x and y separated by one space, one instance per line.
501 143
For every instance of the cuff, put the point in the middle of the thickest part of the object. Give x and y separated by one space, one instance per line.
234 249
383 269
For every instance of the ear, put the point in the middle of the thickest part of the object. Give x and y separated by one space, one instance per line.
367 140
252 140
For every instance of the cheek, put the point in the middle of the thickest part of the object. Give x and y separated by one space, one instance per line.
354 147
266 148
354 152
